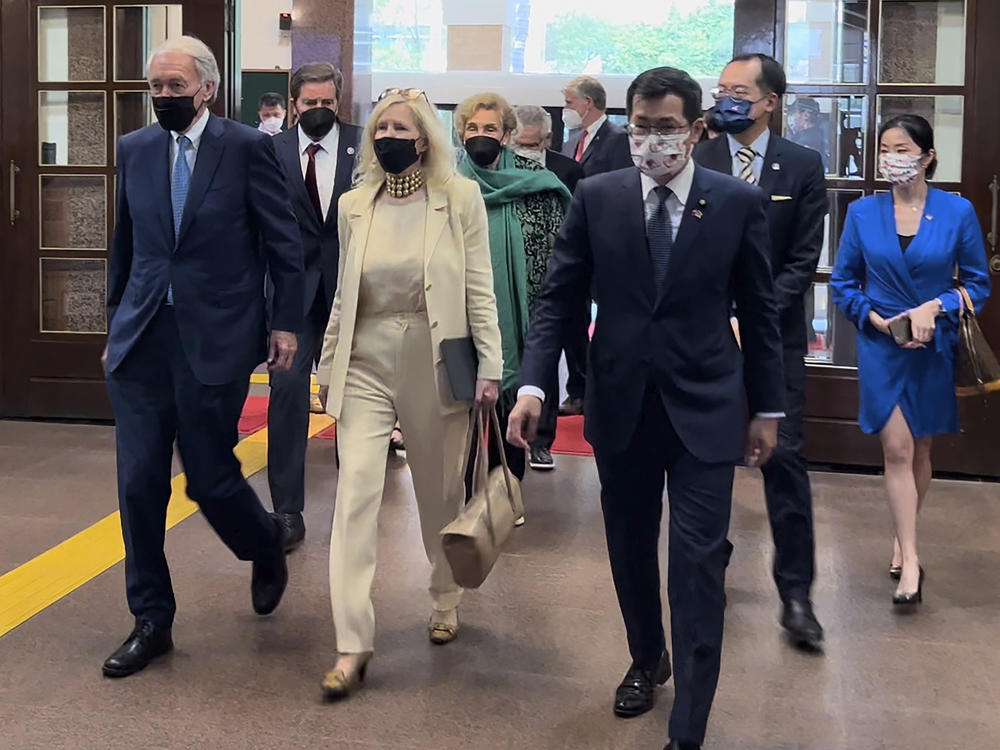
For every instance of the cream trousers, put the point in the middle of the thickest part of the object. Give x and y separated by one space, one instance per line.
391 373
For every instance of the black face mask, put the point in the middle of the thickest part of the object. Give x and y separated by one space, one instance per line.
175 113
396 155
317 122
483 149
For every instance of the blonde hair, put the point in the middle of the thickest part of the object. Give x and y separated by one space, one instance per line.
204 61
487 100
437 162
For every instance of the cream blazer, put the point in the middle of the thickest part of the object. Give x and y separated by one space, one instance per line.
458 284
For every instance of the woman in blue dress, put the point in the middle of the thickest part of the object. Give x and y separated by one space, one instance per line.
897 257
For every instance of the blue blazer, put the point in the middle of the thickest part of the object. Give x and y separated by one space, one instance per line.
678 337
873 273
607 151
237 221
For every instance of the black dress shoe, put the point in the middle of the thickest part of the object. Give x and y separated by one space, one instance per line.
571 407
635 696
803 628
678 745
270 575
145 643
293 529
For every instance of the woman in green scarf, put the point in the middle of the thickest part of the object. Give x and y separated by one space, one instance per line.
525 206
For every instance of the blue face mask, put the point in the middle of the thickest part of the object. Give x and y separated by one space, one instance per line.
733 115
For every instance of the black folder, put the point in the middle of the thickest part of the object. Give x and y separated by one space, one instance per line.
461 362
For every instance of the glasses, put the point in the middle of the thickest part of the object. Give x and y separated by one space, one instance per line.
408 94
738 93
643 131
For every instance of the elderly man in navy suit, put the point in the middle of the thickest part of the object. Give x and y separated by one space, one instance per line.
201 210
791 177
669 247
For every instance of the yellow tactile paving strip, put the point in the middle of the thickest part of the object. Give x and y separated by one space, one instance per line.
38 583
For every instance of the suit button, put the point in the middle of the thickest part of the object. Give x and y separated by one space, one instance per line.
434 324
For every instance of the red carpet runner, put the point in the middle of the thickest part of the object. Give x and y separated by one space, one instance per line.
569 435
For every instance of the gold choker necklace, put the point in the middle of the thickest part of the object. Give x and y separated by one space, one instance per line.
403 186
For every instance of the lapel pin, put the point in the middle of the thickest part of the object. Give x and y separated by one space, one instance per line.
776 167
702 202
697 214
929 217
350 150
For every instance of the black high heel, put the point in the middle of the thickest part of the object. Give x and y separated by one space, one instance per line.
895 571
909 602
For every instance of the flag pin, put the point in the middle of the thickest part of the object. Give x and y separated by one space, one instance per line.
350 150
776 167
696 214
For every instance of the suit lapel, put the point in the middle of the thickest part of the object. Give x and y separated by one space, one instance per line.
715 156
771 170
291 160
697 213
634 231
437 218
894 252
346 151
591 147
160 150
207 161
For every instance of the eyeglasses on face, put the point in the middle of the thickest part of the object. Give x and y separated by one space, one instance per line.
408 94
739 92
642 131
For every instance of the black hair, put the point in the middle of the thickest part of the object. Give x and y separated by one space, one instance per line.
659 82
772 76
271 99
919 130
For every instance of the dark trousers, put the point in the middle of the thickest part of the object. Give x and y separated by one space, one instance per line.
700 497
516 459
789 496
288 415
576 341
156 399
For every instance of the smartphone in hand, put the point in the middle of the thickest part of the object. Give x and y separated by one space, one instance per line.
901 330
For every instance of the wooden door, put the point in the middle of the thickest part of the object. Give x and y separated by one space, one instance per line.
851 65
73 80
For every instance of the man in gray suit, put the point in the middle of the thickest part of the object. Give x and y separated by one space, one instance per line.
318 158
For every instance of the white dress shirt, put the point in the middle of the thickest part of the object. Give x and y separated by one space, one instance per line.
326 163
680 191
194 135
759 146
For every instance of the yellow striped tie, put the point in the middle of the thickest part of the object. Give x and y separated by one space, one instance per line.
747 155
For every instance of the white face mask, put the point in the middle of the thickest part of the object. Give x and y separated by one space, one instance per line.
660 156
572 119
530 153
271 125
900 169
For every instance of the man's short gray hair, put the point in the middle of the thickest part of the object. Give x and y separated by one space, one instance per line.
533 115
204 61
589 86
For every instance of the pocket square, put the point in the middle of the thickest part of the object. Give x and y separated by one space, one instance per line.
781 197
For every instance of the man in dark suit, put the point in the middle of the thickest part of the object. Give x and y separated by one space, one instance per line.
318 159
201 209
531 140
791 177
669 248
599 146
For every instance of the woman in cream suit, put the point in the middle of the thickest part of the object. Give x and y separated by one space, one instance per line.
414 271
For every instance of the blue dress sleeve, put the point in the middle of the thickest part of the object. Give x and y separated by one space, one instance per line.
847 280
973 271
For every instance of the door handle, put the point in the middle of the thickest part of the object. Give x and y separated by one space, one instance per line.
992 236
15 214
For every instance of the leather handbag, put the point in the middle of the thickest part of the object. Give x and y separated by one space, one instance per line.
472 542
976 369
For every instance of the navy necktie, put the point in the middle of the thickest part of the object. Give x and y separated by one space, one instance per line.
660 235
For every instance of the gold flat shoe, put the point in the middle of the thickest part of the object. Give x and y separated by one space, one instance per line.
443 632
337 685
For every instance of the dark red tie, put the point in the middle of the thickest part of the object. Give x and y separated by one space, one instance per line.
581 146
311 187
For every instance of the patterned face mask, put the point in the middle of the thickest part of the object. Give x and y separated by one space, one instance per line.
660 156
900 169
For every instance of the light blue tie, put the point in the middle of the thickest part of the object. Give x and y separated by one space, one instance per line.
179 181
